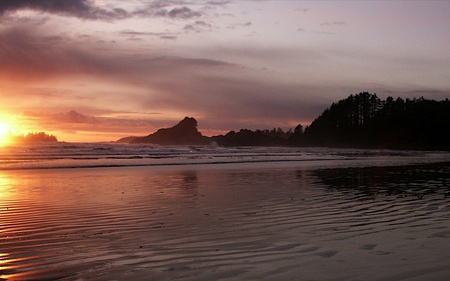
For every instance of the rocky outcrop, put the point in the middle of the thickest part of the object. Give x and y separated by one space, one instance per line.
184 133
126 139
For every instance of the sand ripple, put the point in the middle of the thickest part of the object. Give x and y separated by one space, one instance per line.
232 224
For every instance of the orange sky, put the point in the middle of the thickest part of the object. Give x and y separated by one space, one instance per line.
101 70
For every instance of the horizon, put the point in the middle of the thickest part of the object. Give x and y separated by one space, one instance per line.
98 71
7 137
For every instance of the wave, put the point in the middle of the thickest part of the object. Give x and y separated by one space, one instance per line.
90 155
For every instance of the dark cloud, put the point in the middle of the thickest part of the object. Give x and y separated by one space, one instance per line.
171 9
84 9
26 55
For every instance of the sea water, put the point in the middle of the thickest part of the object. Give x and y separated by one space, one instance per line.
86 155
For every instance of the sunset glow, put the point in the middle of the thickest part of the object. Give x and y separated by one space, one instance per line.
88 70
9 127
4 131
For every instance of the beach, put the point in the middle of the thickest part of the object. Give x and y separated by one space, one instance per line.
296 220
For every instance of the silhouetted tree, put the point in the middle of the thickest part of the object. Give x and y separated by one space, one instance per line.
33 137
364 120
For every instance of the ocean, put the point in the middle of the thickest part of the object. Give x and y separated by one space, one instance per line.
88 155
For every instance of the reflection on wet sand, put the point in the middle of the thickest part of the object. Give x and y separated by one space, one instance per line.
259 222
6 191
5 264
413 180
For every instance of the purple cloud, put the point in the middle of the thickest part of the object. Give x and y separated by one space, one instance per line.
84 9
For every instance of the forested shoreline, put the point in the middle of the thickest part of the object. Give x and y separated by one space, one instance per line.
359 121
366 121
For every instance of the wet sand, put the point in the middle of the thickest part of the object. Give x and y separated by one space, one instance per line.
259 221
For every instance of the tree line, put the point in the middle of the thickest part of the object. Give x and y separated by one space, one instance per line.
32 137
360 121
364 120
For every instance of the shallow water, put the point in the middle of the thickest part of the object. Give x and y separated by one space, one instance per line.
304 220
88 155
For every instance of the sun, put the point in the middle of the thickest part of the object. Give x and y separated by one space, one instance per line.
9 128
4 128
5 133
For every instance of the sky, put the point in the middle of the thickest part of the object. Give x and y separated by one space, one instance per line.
92 70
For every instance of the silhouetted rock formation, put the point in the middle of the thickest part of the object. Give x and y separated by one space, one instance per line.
184 133
126 139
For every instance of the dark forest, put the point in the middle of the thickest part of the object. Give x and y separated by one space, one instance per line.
366 121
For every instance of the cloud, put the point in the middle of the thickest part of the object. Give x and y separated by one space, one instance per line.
215 91
218 2
26 55
87 9
160 9
75 117
198 26
76 122
238 25
183 13
168 37
84 9
29 56
333 23
136 35
218 92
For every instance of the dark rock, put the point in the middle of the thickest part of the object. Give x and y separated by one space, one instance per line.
184 133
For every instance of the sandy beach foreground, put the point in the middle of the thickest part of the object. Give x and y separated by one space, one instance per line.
256 221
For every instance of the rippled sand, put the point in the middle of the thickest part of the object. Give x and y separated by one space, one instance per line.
279 221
